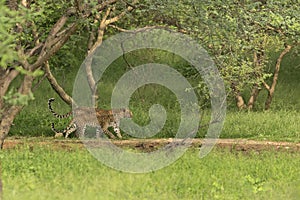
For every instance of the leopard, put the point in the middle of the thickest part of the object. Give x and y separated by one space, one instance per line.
84 117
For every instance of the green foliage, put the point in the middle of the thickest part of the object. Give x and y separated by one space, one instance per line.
8 21
36 73
51 173
232 31
258 184
40 18
15 98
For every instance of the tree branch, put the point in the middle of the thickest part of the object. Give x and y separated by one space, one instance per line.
277 66
266 85
116 18
104 4
275 77
100 32
48 50
57 88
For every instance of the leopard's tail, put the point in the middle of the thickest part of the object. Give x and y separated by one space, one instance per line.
57 132
66 132
56 114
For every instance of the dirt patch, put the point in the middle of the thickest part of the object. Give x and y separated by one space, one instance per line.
147 145
231 144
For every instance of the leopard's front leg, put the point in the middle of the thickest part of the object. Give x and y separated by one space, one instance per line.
117 130
109 134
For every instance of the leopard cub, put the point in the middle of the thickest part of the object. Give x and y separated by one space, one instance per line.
85 116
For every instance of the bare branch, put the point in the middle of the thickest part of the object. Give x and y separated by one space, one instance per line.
275 76
35 50
91 40
120 29
58 25
100 34
79 5
104 4
48 51
130 4
102 26
254 93
145 28
278 64
57 88
266 85
36 86
116 18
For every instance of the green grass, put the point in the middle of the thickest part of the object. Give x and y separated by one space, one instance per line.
44 173
272 125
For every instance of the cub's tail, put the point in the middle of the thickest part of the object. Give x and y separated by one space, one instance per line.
66 132
56 114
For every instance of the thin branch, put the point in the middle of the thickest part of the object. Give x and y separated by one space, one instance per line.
275 77
116 18
36 86
79 6
277 67
101 29
145 28
48 51
120 29
35 50
130 4
91 38
266 85
57 88
58 25
103 5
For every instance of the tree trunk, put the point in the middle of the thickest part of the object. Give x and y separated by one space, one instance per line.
6 122
271 89
6 78
254 93
12 111
258 58
92 46
240 103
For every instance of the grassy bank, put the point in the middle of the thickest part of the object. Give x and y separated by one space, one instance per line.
45 173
